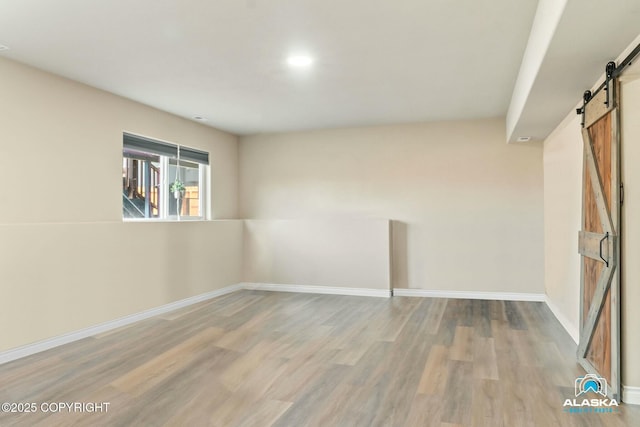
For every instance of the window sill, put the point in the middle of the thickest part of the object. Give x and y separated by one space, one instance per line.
163 220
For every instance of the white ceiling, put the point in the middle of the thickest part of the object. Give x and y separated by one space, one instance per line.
376 61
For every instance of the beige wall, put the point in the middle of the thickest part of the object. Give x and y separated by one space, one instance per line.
59 278
467 208
351 253
631 232
562 216
59 133
67 259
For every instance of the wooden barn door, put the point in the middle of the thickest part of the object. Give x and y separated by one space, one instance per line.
599 347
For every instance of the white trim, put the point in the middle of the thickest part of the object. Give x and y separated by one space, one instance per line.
631 395
568 326
37 347
501 296
309 289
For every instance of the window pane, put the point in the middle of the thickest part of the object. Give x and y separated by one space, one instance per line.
187 199
140 187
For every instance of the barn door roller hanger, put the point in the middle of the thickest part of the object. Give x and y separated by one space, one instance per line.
611 72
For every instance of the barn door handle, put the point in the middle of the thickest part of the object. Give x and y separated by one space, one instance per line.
606 237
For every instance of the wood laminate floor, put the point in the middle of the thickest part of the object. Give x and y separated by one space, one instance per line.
282 359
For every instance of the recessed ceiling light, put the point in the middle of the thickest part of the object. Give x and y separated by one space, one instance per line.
299 61
524 139
200 118
3 47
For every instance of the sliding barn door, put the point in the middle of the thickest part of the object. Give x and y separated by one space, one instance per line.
599 347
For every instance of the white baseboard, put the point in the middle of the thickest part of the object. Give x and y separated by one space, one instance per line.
501 296
309 289
571 329
631 395
37 347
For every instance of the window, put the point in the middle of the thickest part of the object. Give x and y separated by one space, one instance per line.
162 180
